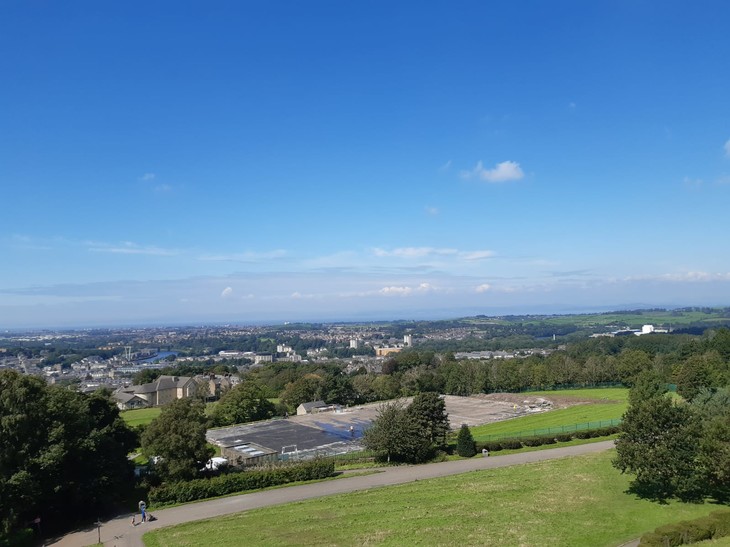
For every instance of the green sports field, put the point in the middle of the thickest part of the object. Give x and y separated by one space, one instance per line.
602 404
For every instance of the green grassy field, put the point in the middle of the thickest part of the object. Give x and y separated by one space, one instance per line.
633 319
143 416
610 404
575 501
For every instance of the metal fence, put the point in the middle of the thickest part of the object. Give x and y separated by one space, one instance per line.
586 426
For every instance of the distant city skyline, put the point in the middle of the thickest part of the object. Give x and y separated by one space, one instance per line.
255 162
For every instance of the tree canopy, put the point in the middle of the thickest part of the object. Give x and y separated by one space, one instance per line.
176 439
245 402
62 453
675 448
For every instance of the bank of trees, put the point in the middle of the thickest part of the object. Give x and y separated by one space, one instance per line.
63 454
692 363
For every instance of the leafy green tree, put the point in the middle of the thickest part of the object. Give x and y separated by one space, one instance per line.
338 389
177 438
692 376
630 363
61 452
713 409
465 446
305 389
395 435
658 444
245 402
648 385
428 410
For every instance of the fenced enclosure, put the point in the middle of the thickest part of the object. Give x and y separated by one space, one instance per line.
570 428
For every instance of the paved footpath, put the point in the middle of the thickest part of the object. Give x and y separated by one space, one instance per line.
119 532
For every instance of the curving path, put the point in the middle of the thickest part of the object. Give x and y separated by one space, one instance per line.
119 532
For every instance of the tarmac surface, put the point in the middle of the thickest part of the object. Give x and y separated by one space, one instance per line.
119 532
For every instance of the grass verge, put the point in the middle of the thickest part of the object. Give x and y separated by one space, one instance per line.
574 501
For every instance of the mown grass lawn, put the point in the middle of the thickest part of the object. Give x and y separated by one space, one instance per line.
143 416
610 404
574 501
140 416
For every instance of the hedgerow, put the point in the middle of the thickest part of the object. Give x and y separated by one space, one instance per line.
185 491
715 525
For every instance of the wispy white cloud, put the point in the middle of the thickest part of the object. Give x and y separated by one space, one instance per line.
484 287
406 290
432 211
727 148
446 166
414 252
227 292
692 183
686 277
248 256
476 255
147 177
502 172
163 188
426 252
296 295
130 248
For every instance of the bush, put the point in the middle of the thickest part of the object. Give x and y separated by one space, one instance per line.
465 446
491 446
564 437
511 444
722 523
715 525
19 538
532 441
583 435
185 491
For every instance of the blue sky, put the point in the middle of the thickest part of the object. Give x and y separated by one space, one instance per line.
191 162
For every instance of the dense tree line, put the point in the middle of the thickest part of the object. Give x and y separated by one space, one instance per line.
689 362
63 455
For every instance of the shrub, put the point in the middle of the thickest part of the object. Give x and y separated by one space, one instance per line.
722 523
465 446
564 437
583 435
715 525
532 441
19 538
185 491
491 446
511 444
